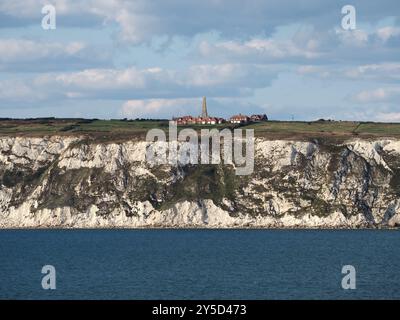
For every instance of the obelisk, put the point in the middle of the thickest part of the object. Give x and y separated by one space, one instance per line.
204 113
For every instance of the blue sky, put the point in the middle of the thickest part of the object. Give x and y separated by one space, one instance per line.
156 59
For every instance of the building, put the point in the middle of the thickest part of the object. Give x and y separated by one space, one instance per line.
258 117
203 119
188 120
214 120
184 120
239 119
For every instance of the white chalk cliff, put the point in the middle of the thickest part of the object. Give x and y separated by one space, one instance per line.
71 182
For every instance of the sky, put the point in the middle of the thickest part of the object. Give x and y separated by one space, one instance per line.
158 58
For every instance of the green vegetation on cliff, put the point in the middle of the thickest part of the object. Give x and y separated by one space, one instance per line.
128 128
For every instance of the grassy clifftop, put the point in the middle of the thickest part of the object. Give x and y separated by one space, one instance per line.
138 128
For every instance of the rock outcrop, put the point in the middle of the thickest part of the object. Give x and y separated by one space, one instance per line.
73 182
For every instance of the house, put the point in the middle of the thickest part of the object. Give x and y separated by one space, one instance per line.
258 117
203 119
184 120
239 119
214 120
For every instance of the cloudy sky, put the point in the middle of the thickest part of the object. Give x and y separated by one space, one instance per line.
157 58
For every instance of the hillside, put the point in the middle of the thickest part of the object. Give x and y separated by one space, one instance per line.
120 129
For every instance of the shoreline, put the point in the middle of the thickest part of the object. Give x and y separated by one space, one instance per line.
201 228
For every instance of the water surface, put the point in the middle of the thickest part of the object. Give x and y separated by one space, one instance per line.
199 264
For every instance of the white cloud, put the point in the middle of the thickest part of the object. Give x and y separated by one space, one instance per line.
229 74
141 20
388 72
261 49
28 55
16 91
378 95
157 107
388 32
306 46
353 38
135 83
383 71
99 79
31 8
388 116
314 70
12 50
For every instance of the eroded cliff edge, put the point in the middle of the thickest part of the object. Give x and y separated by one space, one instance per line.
74 182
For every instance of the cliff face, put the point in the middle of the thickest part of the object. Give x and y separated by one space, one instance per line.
71 182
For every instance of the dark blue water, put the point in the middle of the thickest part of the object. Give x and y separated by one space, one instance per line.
199 264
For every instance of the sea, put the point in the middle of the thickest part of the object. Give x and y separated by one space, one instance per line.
200 264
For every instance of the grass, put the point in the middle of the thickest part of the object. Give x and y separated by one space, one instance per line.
317 129
139 128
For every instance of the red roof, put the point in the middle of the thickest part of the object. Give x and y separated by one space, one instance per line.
239 117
